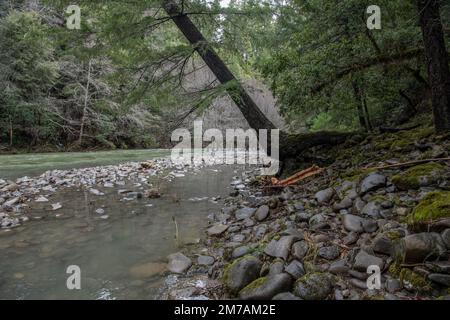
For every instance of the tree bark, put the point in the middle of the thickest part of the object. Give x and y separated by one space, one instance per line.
437 61
359 106
254 116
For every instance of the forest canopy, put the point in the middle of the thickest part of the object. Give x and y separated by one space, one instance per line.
125 78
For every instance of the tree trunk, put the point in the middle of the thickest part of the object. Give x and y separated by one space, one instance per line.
10 132
359 106
291 145
437 61
86 100
254 116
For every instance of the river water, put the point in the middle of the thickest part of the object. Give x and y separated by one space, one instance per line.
121 251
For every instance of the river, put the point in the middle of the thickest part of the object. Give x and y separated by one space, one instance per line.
121 252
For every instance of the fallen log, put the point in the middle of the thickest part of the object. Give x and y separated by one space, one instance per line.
409 163
292 145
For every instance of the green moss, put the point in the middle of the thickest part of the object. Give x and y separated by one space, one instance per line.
253 285
415 279
227 267
356 175
406 275
433 206
394 235
411 178
377 198
400 144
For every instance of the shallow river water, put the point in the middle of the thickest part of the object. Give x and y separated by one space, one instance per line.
121 251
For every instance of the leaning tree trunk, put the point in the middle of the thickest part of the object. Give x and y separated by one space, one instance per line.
437 60
254 116
290 145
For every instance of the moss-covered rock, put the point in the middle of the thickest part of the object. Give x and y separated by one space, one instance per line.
410 278
241 272
419 176
434 205
314 286
266 288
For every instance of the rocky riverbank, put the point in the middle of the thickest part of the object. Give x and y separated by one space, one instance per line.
17 198
318 240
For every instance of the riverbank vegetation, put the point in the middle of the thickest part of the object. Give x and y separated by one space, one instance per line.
128 77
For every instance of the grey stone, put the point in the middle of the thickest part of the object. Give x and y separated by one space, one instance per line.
383 244
280 248
300 249
393 285
295 269
240 252
262 213
217 229
446 238
266 288
178 263
276 268
370 226
338 267
372 209
317 220
244 213
439 278
363 260
439 266
313 286
238 238
260 231
205 260
329 253
358 283
351 238
372 182
286 296
352 223
343 204
358 205
242 272
419 247
302 216
324 196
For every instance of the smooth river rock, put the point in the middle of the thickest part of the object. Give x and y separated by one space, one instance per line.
242 272
266 288
280 248
178 263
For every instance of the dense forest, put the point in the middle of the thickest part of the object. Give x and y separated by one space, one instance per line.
351 203
127 77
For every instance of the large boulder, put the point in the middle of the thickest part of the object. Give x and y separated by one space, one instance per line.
241 272
419 176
